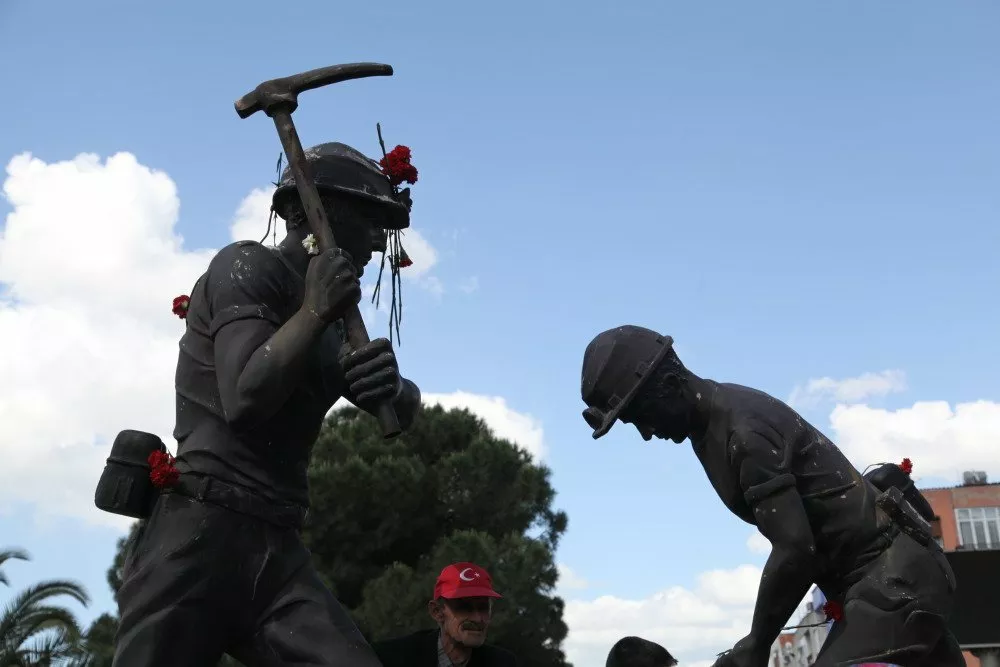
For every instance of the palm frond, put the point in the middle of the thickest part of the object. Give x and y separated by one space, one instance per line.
9 554
45 619
36 633
49 649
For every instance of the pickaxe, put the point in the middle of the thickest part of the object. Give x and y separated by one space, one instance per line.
278 98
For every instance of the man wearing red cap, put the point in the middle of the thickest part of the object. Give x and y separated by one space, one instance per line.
462 607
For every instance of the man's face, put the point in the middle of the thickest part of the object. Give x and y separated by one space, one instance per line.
355 237
353 223
464 620
658 415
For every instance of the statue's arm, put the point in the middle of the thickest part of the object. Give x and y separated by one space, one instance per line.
259 361
769 489
406 400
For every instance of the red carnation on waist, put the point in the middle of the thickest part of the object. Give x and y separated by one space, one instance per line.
396 166
906 466
162 472
833 610
181 305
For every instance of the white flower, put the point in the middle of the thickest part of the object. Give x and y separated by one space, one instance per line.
310 244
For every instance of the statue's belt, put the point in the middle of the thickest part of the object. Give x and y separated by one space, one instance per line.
897 516
236 499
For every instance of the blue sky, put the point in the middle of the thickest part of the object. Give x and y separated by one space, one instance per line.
792 190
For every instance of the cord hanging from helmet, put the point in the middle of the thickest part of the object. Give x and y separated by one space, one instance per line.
397 168
272 218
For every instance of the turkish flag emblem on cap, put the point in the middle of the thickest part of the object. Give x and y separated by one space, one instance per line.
464 580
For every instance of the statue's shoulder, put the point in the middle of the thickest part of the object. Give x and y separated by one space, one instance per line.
243 249
242 259
754 415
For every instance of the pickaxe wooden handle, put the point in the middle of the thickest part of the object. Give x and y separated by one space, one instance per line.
278 98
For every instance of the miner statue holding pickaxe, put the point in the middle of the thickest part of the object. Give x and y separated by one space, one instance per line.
273 339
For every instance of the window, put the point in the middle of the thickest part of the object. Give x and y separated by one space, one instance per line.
979 527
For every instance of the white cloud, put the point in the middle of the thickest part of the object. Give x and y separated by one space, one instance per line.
422 253
90 262
250 223
941 440
848 390
470 285
694 625
520 428
424 258
570 580
758 544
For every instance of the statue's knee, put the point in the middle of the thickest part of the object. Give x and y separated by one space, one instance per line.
925 628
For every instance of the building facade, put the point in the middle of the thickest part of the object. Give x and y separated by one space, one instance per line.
966 517
799 646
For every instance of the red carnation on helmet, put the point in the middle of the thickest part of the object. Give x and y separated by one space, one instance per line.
181 305
833 610
162 472
396 166
906 466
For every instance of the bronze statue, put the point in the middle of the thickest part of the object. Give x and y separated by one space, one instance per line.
859 539
219 566
639 652
273 339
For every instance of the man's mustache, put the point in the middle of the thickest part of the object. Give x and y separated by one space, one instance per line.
470 625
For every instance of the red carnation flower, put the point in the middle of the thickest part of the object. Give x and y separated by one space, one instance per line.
396 166
181 305
402 259
907 466
833 610
162 472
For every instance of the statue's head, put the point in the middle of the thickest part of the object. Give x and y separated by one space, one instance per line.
358 198
632 374
639 652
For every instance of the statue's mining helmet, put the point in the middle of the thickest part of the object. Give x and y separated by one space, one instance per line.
337 167
615 366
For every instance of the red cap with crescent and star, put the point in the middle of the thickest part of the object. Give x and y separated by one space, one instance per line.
464 580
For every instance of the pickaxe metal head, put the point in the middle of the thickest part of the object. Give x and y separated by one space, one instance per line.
283 93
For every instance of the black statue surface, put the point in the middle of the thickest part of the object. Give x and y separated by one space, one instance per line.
859 539
638 652
219 566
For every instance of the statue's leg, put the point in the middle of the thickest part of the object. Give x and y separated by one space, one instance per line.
302 624
895 613
946 653
173 587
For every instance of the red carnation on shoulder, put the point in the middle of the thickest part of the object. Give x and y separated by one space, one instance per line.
906 466
396 166
833 610
181 305
162 472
